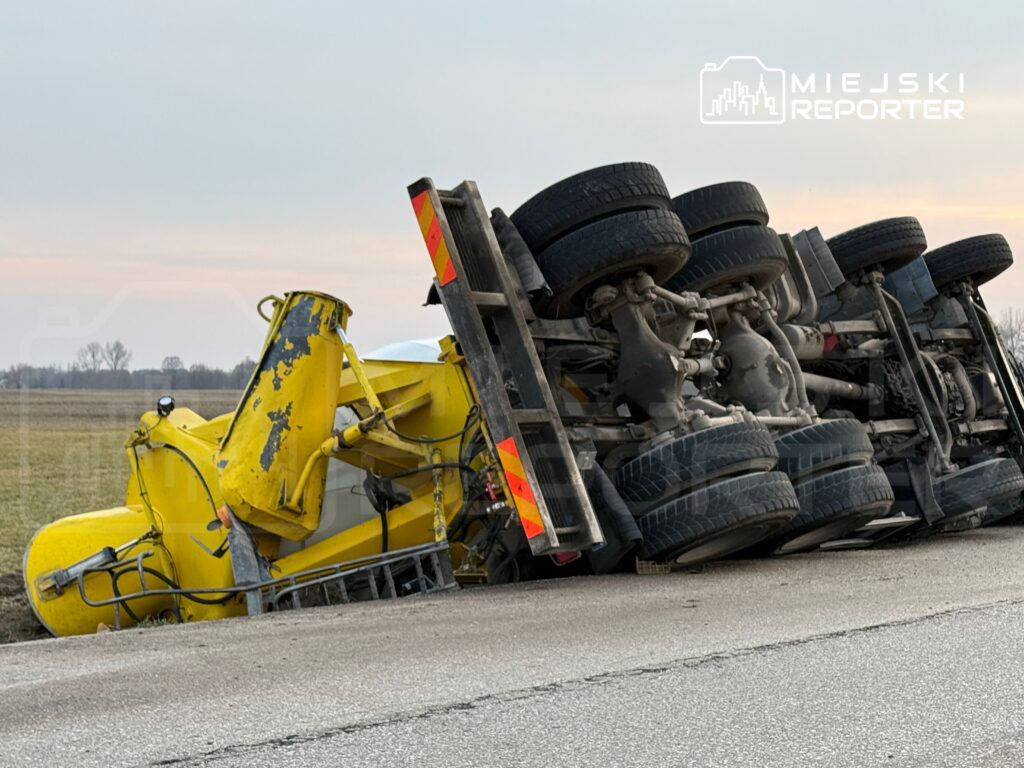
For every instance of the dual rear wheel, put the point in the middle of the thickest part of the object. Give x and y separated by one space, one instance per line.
708 494
731 241
836 482
601 226
734 489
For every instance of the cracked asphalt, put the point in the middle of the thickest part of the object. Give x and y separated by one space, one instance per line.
907 656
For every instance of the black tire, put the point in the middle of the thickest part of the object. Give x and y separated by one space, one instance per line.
834 504
718 519
822 447
610 249
742 254
980 258
888 244
980 485
586 197
696 459
712 209
1003 513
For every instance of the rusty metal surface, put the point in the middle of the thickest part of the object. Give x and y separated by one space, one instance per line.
285 414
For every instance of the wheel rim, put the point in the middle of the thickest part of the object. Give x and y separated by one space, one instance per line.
726 543
836 529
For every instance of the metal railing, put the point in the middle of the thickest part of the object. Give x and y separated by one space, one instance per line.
435 577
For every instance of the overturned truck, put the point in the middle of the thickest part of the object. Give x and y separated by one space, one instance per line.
633 382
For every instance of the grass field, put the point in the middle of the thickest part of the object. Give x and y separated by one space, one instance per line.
61 453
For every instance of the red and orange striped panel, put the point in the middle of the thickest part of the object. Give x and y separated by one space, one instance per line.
431 229
522 494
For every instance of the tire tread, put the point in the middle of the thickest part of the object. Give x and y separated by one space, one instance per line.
586 197
980 258
823 446
752 253
694 517
890 243
616 246
710 209
680 465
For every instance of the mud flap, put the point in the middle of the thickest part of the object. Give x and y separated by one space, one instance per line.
620 529
921 482
912 286
822 270
911 481
518 254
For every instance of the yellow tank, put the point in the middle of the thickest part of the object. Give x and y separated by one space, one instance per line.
51 572
171 498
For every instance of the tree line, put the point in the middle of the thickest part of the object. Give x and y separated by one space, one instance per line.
106 366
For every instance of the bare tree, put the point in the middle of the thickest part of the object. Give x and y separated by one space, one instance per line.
171 364
90 357
116 356
1011 329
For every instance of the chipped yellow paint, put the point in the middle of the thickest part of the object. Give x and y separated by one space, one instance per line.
286 413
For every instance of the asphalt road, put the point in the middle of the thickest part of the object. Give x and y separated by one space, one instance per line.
895 657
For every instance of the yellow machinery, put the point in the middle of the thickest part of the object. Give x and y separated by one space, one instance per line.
232 516
262 469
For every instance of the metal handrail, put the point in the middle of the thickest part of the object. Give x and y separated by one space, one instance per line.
298 580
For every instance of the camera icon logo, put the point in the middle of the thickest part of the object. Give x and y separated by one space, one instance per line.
742 91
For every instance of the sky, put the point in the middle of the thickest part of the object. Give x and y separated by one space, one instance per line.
163 166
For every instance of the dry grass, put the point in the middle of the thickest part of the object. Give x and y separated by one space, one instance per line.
61 453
